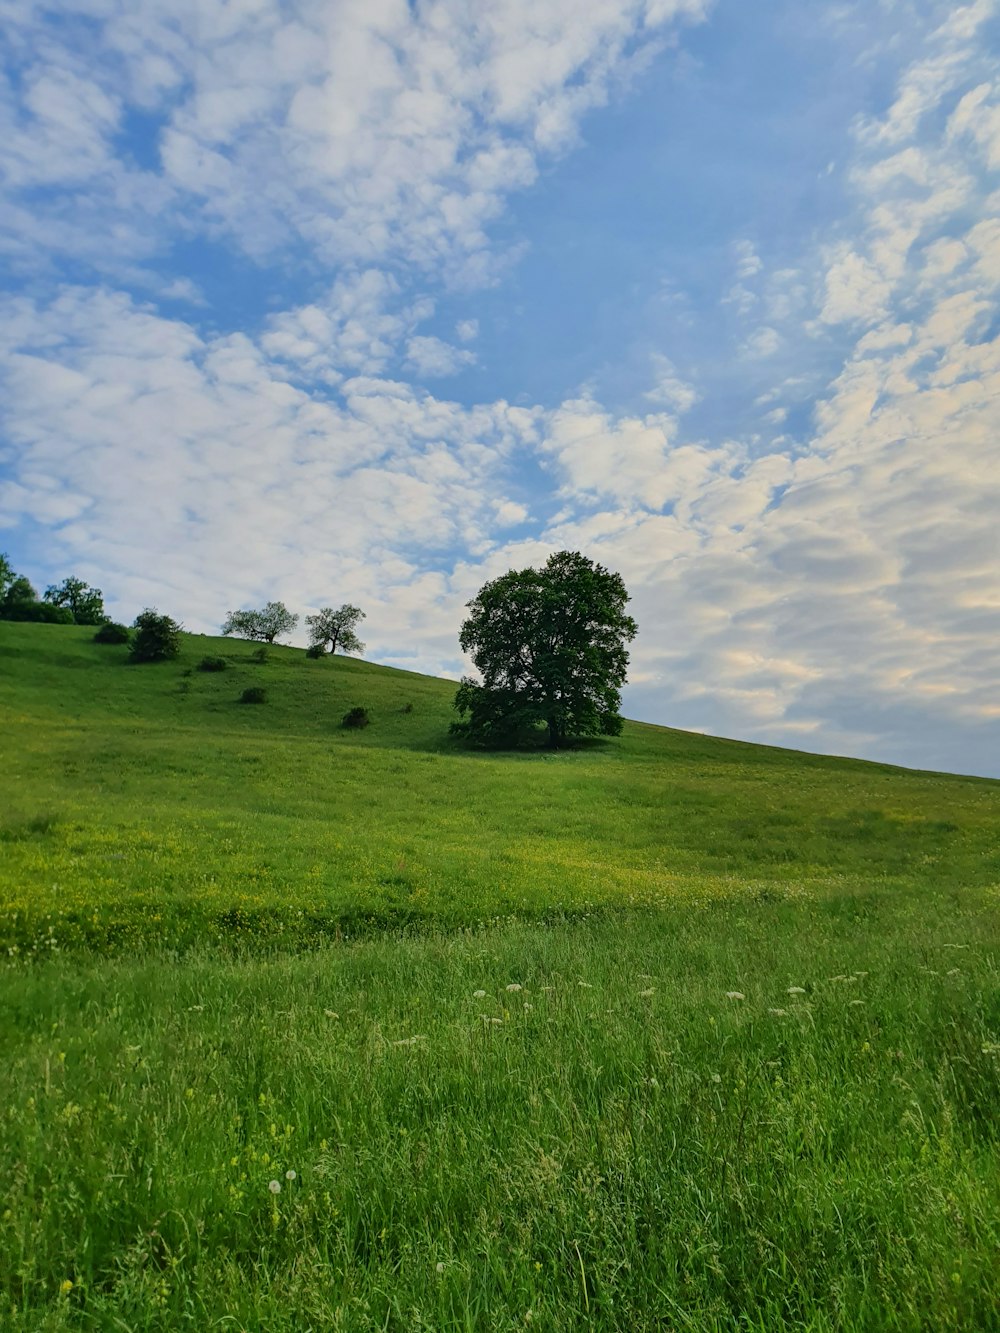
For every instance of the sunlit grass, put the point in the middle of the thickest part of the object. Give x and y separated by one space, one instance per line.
313 1030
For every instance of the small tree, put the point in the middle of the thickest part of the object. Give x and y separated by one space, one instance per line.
262 626
156 637
336 628
85 603
550 647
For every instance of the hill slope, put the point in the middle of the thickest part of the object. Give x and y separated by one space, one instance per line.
144 803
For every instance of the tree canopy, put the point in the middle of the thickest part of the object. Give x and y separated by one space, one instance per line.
336 628
262 626
549 645
156 637
85 604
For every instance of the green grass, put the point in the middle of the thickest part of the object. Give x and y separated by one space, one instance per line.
749 1080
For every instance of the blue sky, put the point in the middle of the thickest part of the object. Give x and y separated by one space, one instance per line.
369 302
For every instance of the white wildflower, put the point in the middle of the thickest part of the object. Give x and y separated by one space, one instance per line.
735 995
330 1013
645 994
479 995
274 1186
778 1013
514 985
289 1175
796 990
586 985
439 1268
716 1078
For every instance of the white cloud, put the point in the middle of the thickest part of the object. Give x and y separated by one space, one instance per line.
432 358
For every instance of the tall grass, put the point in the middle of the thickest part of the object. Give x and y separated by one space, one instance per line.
727 1118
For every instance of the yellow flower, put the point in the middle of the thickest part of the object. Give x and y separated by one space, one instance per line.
66 1286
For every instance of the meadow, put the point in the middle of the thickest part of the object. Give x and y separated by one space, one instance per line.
314 1029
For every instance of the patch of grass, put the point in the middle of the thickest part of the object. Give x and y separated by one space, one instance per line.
694 1119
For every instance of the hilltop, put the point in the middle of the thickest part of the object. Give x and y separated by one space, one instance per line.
146 804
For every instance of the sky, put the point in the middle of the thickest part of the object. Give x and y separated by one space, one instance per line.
337 301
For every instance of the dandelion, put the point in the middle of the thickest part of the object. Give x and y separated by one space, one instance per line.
796 990
274 1186
514 986
479 995
735 995
66 1286
439 1267
289 1175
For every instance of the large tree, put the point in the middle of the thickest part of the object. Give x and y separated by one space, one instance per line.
85 603
263 626
549 645
336 628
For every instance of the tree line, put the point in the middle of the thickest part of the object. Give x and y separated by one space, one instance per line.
549 644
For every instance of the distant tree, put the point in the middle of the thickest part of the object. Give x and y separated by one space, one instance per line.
550 646
262 626
335 628
85 603
156 637
7 575
19 590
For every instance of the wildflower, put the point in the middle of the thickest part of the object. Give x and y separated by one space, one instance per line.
735 995
586 985
796 990
409 1041
645 994
514 986
439 1268
479 995
289 1175
778 1013
528 1007
330 1013
716 1078
66 1286
274 1186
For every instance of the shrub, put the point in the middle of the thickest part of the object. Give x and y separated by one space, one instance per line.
212 664
315 651
112 632
42 612
261 655
157 637
357 717
254 694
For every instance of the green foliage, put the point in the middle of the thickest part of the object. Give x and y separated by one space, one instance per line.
264 626
254 694
262 655
213 664
315 651
38 612
85 604
112 632
549 645
336 628
156 637
356 717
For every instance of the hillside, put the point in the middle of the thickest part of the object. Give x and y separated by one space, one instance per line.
145 804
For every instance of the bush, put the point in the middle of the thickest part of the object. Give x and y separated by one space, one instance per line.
157 637
315 651
112 632
261 655
41 612
254 694
213 664
357 717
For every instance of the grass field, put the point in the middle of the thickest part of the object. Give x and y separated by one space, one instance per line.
665 1032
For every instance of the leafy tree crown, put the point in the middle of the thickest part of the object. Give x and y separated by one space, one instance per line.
85 603
549 645
336 628
262 626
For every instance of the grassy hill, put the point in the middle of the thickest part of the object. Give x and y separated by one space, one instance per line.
147 803
314 1029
